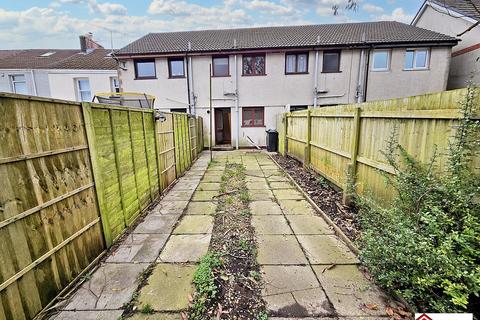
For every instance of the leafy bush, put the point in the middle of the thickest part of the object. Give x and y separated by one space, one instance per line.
204 280
426 246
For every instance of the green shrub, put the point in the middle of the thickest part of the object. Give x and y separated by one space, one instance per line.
204 281
426 246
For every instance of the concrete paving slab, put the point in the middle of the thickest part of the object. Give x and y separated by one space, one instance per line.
201 207
326 249
254 173
185 248
264 208
89 315
277 179
185 185
212 178
279 249
157 223
258 195
288 194
156 316
194 224
309 224
257 185
204 195
274 172
110 287
296 207
175 195
350 292
254 179
170 207
139 248
285 279
281 185
271 224
168 287
209 186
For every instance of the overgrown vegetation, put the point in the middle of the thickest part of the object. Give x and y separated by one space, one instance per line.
426 246
227 280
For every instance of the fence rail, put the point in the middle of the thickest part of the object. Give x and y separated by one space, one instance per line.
74 176
349 140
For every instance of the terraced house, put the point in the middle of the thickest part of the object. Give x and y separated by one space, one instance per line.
260 72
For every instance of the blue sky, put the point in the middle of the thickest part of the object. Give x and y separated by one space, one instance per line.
57 23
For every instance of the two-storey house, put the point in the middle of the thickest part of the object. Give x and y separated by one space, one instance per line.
459 18
260 72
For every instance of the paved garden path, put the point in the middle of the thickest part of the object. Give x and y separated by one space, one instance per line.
307 271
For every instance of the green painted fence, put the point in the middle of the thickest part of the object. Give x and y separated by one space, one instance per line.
336 140
74 177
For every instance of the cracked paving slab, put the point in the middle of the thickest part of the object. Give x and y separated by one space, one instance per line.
185 248
110 287
201 208
326 249
139 248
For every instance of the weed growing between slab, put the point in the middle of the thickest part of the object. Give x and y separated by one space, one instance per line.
227 280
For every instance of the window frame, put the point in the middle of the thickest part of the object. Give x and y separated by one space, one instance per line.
136 61
252 111
389 57
339 52
169 62
264 55
296 54
112 84
79 91
213 66
415 50
13 82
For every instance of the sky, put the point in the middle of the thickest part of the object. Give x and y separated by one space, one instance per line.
56 24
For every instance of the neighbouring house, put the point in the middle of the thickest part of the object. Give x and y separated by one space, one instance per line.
458 18
70 74
261 72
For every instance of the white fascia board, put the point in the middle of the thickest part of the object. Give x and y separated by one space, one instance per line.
447 11
81 71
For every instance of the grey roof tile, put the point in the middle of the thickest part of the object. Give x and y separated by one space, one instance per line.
464 7
346 34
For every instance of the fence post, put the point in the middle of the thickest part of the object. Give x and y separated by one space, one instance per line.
285 141
351 173
306 162
97 176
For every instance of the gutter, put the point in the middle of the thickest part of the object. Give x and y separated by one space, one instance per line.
35 93
237 113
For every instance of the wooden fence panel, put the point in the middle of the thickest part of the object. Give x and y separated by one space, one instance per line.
192 125
182 142
49 220
166 151
296 134
352 138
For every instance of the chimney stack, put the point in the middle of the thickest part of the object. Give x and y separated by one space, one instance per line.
87 44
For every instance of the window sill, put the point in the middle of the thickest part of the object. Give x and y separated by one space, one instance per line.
295 73
254 75
177 77
332 71
417 69
380 70
145 78
254 126
227 76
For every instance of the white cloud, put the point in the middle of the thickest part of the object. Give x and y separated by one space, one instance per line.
397 14
371 8
108 8
269 6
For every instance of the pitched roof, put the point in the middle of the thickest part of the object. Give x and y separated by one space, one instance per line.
346 34
56 59
468 8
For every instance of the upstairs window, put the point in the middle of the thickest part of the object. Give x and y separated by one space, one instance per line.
416 59
179 110
296 63
145 69
381 60
19 84
220 66
176 68
331 61
253 117
254 65
83 87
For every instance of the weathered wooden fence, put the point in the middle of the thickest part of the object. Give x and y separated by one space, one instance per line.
74 176
351 138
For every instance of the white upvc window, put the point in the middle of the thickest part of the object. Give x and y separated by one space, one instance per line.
114 84
19 83
83 89
416 59
381 60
